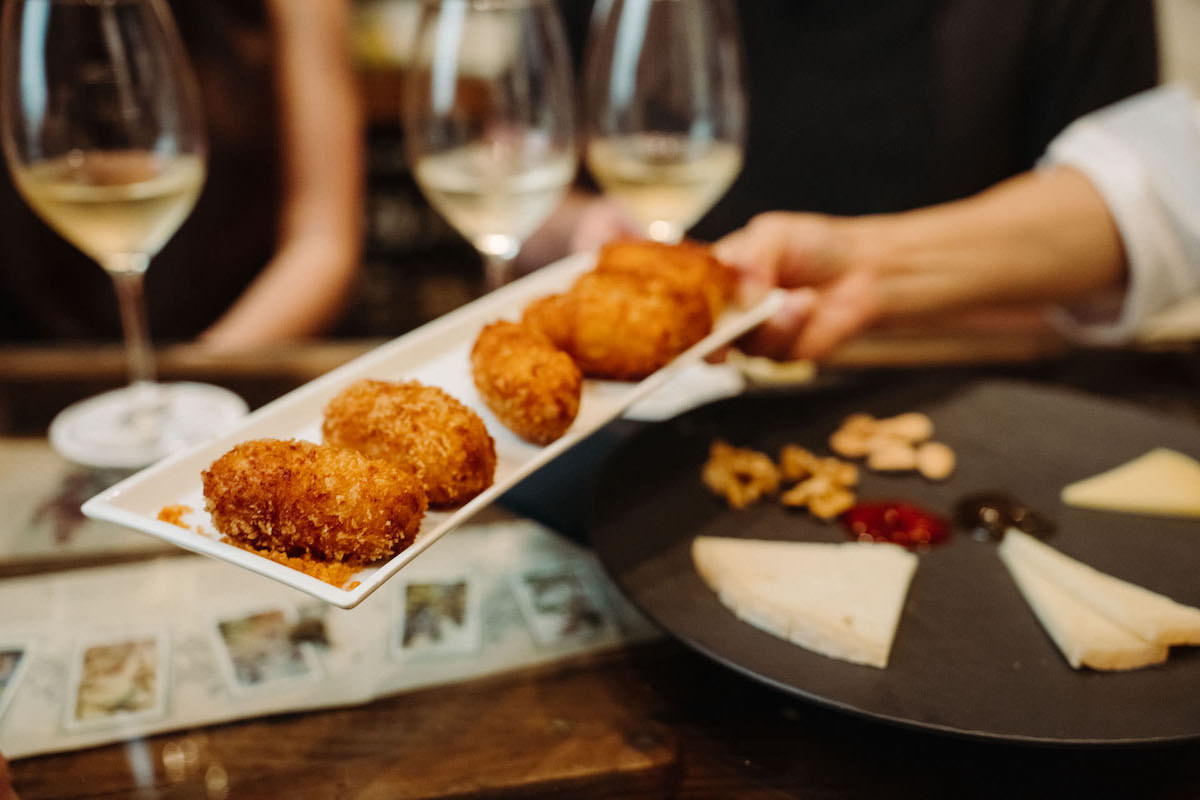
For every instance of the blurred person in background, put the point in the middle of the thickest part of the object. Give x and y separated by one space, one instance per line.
1100 237
271 251
873 106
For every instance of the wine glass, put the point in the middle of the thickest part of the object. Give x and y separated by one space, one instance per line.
666 108
102 132
489 123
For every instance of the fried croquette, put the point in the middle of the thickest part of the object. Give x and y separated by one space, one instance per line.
625 327
531 386
551 316
690 266
314 500
739 474
421 428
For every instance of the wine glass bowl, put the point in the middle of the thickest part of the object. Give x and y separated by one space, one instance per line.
489 123
101 127
117 206
665 108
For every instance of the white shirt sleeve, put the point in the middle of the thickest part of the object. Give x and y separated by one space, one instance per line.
1143 155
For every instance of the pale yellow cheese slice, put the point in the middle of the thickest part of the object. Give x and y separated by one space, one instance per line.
1085 637
1161 481
1149 615
841 600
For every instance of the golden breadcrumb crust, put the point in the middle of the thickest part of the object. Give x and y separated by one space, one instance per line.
420 428
551 317
174 514
531 386
335 573
644 303
306 499
689 266
626 327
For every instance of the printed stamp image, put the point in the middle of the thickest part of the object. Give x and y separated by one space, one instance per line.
259 650
437 615
14 657
559 604
119 679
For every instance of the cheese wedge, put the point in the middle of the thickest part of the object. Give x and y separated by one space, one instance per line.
1085 637
1148 615
841 600
1161 481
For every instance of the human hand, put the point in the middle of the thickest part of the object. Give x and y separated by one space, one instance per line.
832 287
601 220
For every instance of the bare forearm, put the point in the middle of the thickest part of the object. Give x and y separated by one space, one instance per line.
1037 238
305 286
301 293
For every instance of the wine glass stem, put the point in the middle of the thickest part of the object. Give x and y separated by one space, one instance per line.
128 271
497 271
665 232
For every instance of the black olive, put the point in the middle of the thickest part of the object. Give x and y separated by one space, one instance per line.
987 515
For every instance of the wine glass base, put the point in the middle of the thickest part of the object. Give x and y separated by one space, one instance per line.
96 432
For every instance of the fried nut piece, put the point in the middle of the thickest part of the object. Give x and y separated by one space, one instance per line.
859 423
824 483
797 463
531 386
854 437
418 427
912 427
892 455
894 444
841 472
740 475
829 505
849 443
803 492
325 502
935 461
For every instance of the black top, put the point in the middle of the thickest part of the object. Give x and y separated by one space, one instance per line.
49 290
863 106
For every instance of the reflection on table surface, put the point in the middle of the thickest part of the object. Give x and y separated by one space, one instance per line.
639 716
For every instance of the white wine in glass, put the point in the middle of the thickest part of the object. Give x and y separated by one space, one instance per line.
113 202
666 109
489 123
103 135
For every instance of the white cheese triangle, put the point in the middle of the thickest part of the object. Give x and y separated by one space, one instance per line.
1149 615
1161 481
840 600
1083 635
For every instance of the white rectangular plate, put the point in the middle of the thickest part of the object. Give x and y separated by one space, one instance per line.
435 354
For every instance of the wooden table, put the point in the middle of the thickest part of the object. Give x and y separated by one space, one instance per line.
651 720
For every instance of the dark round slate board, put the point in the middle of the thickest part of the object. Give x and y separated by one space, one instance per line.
969 657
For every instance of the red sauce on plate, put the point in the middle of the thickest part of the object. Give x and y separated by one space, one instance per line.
895 522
